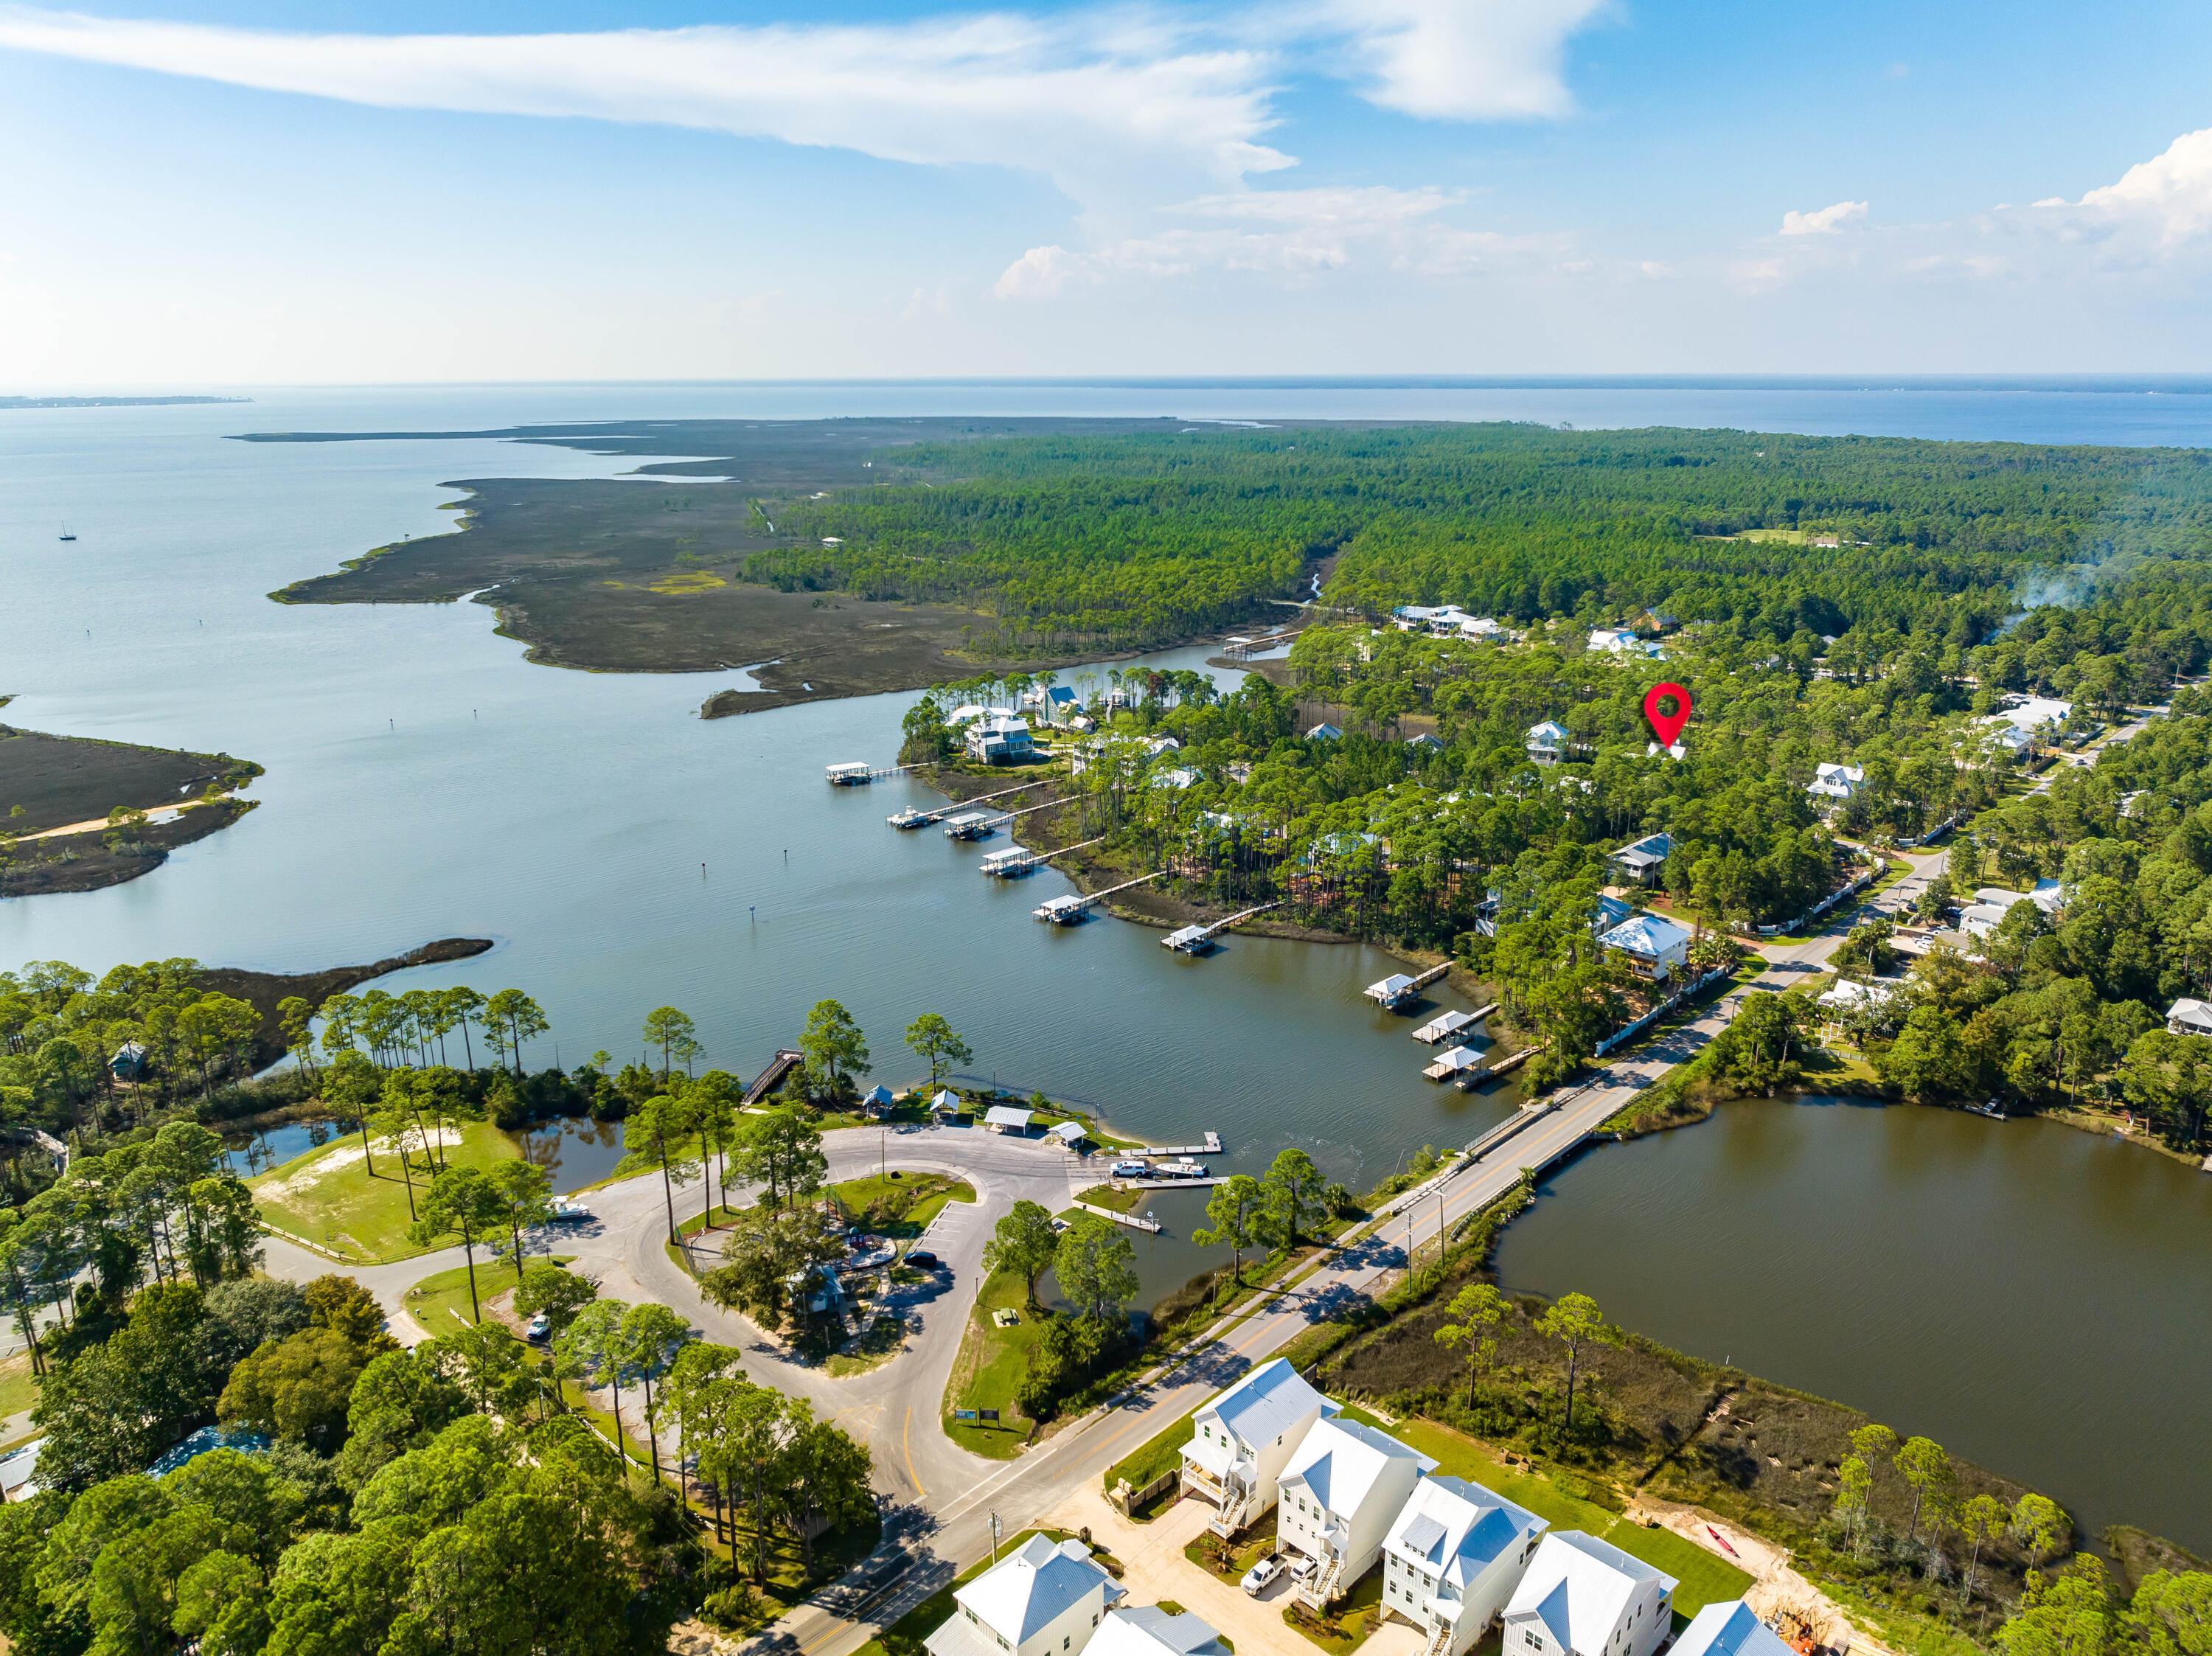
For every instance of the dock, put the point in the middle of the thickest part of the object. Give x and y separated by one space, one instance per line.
781 1065
1197 939
1013 861
858 773
1200 1183
1128 1219
1462 1064
914 819
1445 1025
1068 910
1212 1147
1397 989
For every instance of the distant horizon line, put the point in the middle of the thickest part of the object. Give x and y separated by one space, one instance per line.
2178 384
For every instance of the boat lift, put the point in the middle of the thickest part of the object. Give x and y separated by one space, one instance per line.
1197 939
1068 910
1017 860
1397 989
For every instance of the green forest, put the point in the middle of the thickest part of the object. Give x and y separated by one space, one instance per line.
1102 542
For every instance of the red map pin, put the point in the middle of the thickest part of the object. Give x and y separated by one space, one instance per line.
1669 726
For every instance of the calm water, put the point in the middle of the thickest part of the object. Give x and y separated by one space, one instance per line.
423 781
2032 1297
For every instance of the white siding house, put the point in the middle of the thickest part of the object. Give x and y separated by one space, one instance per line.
997 738
2190 1018
1340 1492
1546 742
1729 1630
1835 781
1245 1437
1044 1599
1656 946
1584 1597
1644 859
1148 1630
1453 1558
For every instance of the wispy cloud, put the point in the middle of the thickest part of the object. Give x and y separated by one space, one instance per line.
1295 233
1107 102
1827 221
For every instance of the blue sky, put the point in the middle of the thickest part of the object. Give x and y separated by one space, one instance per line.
251 192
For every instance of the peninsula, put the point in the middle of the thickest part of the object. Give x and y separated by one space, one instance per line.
77 813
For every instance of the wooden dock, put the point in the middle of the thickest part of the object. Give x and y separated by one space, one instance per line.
1171 1184
1197 939
1212 1147
858 773
1128 1219
1067 910
1396 989
781 1065
914 819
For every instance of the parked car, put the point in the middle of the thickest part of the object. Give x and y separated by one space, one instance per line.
922 1260
541 1328
1301 1567
1259 1574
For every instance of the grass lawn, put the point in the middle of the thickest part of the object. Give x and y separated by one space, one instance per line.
1704 1579
1255 1544
19 1388
900 1204
991 1364
328 1197
1113 1200
1347 1622
1161 1453
903 1637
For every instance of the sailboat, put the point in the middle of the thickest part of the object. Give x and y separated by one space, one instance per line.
66 533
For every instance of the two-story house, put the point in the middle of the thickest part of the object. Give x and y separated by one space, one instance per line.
1243 1439
1043 1598
1453 1558
1583 1597
1339 1494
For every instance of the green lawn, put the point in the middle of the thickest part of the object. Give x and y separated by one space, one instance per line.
1704 1579
991 1364
1348 1621
900 1203
1161 1453
329 1198
1113 1200
903 1637
19 1388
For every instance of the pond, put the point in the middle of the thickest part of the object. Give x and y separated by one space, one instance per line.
2035 1298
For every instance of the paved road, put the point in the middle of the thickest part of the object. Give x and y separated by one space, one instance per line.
938 1497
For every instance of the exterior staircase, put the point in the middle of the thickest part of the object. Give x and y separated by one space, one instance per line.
1235 1511
1321 1586
1440 1640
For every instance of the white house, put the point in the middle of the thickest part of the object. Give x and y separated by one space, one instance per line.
1642 860
1584 1597
1623 642
1149 1630
1453 1559
1548 742
1245 1437
1729 1630
2188 1017
1653 943
1980 920
1324 733
1345 1485
1835 781
1847 997
1993 903
998 737
1043 1597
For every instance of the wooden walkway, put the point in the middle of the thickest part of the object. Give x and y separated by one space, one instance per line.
781 1065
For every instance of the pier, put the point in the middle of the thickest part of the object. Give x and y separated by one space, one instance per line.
858 773
1197 939
980 825
914 819
781 1065
1020 859
1212 1147
1067 911
1128 1219
1199 1182
1447 1025
1397 989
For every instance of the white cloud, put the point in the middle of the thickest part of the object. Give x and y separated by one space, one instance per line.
1116 105
1465 59
2171 193
1828 222
1292 234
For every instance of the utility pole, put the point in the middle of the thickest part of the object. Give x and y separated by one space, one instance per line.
994 1535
